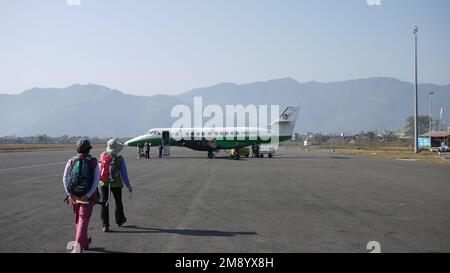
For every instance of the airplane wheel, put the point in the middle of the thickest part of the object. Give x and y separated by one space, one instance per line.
270 155
261 156
210 155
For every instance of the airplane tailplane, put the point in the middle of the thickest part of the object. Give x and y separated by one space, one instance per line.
286 122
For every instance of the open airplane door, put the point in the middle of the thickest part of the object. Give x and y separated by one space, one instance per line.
165 143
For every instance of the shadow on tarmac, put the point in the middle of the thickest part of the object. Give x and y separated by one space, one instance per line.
186 232
232 158
339 157
277 157
102 250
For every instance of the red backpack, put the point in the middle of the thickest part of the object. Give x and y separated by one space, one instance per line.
108 168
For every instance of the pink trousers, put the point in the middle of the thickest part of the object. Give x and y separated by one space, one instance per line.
82 216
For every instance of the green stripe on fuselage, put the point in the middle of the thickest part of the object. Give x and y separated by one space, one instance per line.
225 143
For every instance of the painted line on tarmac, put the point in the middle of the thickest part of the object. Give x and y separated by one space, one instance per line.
31 166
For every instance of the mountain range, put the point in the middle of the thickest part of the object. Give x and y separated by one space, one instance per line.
95 110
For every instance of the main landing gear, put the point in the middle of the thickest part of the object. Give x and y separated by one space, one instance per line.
237 153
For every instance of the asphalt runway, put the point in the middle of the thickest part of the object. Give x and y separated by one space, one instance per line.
296 202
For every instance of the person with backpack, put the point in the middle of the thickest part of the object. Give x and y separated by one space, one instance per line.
113 175
80 180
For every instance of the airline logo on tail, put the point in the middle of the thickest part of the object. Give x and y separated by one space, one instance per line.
288 114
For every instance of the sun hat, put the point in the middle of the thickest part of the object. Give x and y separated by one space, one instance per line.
114 146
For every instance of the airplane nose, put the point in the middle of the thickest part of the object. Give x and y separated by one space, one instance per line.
131 142
140 140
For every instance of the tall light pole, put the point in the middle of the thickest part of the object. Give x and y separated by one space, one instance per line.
431 93
416 106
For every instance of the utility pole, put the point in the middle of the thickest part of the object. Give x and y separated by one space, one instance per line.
416 106
431 110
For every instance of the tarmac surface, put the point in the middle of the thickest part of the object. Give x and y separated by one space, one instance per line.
295 202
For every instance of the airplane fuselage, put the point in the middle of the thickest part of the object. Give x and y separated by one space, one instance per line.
223 138
206 139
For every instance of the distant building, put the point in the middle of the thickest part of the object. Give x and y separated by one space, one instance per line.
438 137
342 138
307 142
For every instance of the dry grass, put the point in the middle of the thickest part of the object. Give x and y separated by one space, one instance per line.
398 153
9 148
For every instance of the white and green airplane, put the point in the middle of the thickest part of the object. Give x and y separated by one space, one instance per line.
212 140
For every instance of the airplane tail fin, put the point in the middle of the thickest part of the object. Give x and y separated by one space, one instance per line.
286 122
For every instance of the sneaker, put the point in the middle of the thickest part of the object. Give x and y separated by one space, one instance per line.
106 229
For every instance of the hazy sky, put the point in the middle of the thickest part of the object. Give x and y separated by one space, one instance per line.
150 47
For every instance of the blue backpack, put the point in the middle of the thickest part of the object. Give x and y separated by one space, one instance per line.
81 176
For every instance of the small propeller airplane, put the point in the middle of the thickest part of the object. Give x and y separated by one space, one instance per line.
212 140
